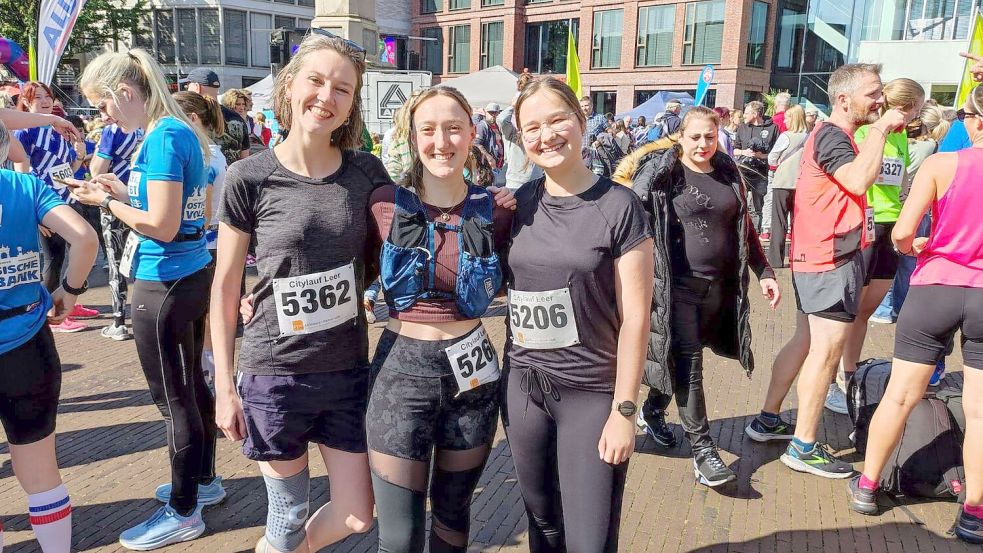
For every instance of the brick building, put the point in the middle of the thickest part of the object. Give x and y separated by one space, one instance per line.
628 50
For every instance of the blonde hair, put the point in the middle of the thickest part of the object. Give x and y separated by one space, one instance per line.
934 124
560 91
698 112
137 69
903 94
401 121
795 119
414 176
4 142
232 97
349 135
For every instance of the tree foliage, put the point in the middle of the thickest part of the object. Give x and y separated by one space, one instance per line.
101 23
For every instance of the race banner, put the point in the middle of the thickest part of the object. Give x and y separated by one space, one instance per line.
55 24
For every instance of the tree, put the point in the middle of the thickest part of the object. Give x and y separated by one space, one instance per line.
101 23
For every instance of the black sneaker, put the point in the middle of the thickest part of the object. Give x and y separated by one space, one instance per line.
710 470
761 432
819 461
654 424
862 500
969 528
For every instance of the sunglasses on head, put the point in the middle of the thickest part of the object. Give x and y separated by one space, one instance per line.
963 114
359 51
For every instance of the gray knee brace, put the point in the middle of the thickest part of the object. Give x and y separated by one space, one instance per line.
287 510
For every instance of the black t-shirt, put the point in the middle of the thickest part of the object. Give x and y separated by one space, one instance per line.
703 226
834 149
570 243
303 227
236 137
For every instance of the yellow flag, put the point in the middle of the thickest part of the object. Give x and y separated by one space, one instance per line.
975 47
32 60
573 66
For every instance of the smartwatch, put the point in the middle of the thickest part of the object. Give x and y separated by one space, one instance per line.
627 408
106 201
74 291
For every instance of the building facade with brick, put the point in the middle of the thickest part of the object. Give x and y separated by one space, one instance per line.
628 50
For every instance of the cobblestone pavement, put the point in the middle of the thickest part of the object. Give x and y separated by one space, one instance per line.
112 451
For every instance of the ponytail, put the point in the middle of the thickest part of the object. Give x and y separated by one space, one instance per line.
207 109
137 69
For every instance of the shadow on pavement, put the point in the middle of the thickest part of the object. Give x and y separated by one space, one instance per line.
105 401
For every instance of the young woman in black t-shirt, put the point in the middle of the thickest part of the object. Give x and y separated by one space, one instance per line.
579 295
706 243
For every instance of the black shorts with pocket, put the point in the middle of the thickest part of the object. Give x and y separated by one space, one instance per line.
930 317
880 260
30 383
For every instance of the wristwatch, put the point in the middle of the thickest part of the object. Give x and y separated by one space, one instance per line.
74 291
106 201
627 408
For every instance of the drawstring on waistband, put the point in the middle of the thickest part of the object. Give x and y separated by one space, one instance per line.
543 382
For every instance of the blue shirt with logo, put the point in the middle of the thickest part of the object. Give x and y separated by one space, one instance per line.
51 155
23 204
171 152
118 146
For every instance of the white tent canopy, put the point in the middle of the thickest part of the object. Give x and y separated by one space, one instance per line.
495 84
262 93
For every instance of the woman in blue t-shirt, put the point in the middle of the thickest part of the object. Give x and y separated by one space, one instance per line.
164 202
30 371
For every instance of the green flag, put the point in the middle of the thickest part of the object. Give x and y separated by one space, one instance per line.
32 60
967 84
573 66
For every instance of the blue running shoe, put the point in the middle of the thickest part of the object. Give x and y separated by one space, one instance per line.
938 374
164 527
819 461
969 528
208 494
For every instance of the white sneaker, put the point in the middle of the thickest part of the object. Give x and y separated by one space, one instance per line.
836 400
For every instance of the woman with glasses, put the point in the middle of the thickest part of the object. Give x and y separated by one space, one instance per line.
946 295
706 248
579 290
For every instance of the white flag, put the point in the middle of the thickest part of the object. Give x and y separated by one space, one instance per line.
54 27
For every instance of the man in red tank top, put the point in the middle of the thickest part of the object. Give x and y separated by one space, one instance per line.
832 224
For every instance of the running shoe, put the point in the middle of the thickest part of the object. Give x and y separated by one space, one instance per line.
116 332
969 528
938 374
819 461
369 311
83 312
250 260
862 500
881 320
710 470
765 236
208 494
68 326
164 527
761 432
836 400
654 424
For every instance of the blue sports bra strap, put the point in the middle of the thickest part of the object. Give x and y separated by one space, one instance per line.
431 284
404 200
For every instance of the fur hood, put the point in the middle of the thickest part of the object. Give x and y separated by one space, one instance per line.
629 164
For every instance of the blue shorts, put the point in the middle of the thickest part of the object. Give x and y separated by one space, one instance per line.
284 414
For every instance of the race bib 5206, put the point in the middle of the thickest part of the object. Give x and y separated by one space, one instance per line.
474 361
542 320
318 301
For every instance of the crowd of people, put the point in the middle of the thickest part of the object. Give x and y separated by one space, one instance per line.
652 231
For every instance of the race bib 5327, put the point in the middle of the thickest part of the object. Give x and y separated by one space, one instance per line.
892 171
318 301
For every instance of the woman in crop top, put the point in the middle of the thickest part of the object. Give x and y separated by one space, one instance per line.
435 371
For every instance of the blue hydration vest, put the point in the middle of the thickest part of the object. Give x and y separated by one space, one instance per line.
408 263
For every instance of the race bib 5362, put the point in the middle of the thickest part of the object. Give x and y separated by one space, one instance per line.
318 301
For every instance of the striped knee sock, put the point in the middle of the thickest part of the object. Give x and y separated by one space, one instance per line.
51 518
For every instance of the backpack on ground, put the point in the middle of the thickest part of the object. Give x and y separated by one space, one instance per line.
928 460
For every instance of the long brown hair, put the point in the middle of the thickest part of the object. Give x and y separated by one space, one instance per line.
349 135
559 90
207 109
414 176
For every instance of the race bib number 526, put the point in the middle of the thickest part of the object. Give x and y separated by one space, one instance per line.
318 301
473 361
542 320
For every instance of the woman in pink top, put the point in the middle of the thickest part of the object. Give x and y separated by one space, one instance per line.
946 295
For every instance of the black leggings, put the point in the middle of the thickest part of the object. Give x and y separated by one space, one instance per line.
696 306
782 201
572 497
114 234
54 249
168 326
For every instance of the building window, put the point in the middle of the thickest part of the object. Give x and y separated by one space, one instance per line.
546 45
750 96
486 3
759 30
236 38
538 1
606 47
211 36
187 36
285 1
143 33
604 102
260 26
303 23
491 44
944 94
939 19
655 30
431 6
704 33
459 49
284 22
460 4
165 36
306 3
791 29
433 50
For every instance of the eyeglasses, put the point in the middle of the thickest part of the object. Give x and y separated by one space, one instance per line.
359 51
558 124
963 114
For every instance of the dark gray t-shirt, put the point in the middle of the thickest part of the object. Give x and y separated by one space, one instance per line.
571 243
303 227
